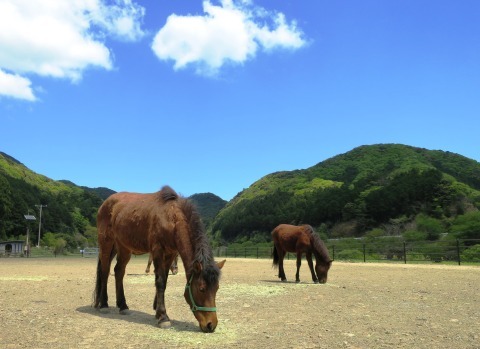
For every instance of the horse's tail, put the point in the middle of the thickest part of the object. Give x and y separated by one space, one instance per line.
275 257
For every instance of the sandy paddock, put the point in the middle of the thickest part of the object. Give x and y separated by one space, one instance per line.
46 303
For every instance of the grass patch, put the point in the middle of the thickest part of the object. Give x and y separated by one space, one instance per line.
178 337
140 279
247 290
23 278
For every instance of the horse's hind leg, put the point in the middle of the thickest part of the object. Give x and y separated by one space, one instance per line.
161 277
147 270
174 267
281 271
105 256
123 257
299 264
310 265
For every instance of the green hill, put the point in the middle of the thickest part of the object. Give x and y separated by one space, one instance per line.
101 192
384 187
208 205
70 210
350 194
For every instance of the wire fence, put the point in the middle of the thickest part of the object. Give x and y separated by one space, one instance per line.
378 250
457 251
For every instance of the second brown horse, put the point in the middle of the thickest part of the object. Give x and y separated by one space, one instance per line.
300 239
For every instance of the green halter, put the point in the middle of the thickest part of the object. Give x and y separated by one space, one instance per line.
195 307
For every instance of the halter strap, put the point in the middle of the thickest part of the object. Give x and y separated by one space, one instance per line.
195 307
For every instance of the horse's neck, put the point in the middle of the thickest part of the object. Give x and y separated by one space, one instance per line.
185 250
319 252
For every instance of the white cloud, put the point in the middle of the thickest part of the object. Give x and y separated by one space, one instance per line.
15 86
232 32
60 39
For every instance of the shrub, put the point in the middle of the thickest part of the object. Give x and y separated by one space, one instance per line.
349 255
471 254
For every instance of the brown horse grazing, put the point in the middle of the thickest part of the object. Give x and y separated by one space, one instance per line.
173 267
164 225
300 239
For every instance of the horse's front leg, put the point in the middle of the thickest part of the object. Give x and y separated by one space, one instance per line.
299 264
310 265
161 277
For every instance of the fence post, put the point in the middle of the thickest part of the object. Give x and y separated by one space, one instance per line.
333 252
245 252
257 252
405 252
364 254
458 251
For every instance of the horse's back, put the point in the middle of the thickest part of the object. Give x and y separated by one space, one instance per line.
288 237
117 203
284 230
131 218
121 201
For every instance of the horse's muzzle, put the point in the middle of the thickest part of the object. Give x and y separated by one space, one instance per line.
209 327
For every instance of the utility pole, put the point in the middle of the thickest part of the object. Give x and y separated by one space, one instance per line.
28 217
40 222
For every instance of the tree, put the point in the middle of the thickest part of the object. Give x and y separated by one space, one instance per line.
467 226
430 226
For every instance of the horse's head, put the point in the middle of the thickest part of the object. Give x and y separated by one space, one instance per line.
322 271
200 294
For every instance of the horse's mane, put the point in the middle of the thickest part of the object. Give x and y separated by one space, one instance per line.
167 194
203 252
318 245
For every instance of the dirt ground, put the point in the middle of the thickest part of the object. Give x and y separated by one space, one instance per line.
46 303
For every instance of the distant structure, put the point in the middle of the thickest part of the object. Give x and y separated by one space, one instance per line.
12 248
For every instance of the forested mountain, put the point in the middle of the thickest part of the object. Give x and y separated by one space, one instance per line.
102 192
384 185
68 210
208 205
384 189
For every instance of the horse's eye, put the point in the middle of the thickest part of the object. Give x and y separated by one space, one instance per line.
202 289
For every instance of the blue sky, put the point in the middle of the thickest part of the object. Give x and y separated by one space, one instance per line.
210 96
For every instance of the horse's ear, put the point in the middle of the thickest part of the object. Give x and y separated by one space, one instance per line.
220 264
197 267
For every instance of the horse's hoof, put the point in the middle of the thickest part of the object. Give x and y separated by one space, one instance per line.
104 310
165 324
297 281
284 280
315 281
125 312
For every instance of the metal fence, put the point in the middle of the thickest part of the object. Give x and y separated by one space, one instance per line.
88 252
394 250
356 250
